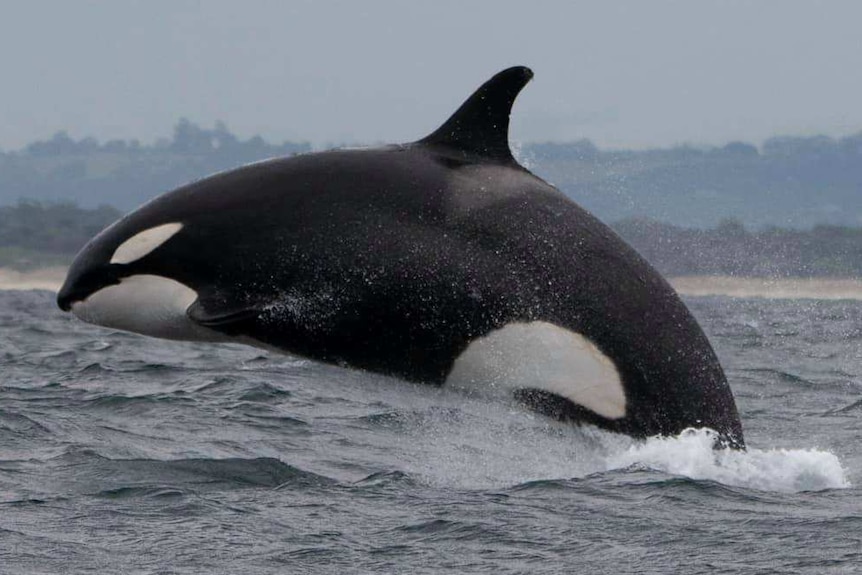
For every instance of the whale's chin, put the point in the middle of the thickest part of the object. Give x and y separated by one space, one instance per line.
145 304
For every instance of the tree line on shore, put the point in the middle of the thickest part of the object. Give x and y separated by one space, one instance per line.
34 234
731 249
795 182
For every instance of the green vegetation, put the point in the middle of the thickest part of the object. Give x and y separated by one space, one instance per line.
788 182
23 259
791 208
53 228
731 249
125 174
34 235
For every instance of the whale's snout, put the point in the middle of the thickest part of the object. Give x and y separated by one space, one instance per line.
66 297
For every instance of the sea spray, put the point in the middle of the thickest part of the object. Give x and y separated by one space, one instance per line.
691 455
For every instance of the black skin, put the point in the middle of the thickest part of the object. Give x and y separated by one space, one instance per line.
393 260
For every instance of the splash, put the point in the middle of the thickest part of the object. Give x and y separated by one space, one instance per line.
524 157
493 447
691 455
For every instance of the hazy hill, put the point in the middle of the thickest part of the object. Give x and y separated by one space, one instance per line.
124 174
789 182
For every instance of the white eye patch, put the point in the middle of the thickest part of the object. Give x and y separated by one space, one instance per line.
144 242
540 355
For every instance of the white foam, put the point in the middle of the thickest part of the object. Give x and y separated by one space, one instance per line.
691 455
479 446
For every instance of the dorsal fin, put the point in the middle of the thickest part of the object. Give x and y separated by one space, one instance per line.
481 125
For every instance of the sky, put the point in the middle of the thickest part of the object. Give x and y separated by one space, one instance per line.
624 74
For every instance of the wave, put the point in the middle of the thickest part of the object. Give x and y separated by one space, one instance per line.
118 477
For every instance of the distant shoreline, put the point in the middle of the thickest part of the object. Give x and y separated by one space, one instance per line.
48 278
51 278
780 288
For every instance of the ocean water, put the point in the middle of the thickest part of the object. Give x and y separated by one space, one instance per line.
123 454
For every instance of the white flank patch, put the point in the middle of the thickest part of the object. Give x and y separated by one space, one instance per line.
147 304
540 355
144 242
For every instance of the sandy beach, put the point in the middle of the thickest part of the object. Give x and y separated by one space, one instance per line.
784 288
45 279
800 288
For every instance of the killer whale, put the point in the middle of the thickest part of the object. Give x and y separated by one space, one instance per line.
441 261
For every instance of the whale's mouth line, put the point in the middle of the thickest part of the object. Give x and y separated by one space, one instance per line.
65 302
77 290
151 305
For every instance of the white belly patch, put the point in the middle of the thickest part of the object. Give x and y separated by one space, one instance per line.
540 355
147 304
